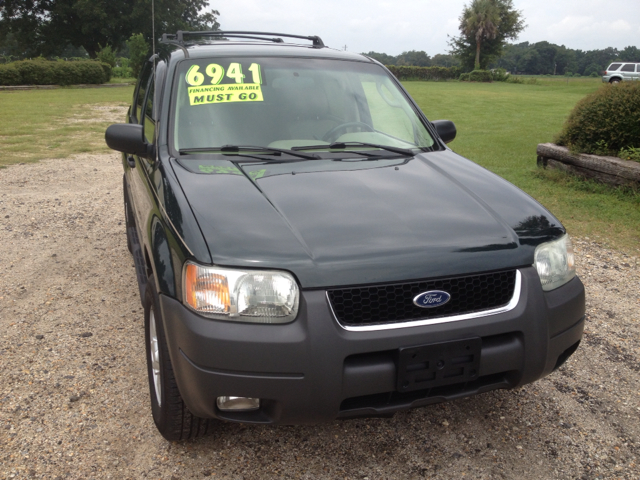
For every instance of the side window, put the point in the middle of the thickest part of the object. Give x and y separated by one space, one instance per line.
147 114
613 67
629 67
142 90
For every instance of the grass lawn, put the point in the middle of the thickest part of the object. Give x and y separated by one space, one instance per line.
37 124
499 126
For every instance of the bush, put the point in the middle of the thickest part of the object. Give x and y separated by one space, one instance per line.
106 68
36 72
464 77
45 72
630 153
138 52
499 75
106 55
480 76
122 72
9 75
404 72
604 122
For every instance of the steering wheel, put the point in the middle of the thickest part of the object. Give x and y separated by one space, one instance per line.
336 131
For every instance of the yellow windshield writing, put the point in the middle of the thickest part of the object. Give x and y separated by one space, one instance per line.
246 92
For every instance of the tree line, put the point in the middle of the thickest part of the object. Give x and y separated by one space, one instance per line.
544 58
415 58
30 28
487 26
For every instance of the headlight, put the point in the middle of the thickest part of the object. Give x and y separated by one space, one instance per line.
254 296
554 262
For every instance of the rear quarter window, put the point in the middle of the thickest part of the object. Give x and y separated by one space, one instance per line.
614 66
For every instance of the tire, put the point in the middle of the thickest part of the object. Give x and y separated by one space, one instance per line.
172 417
614 81
128 214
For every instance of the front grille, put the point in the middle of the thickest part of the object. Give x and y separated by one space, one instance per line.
385 304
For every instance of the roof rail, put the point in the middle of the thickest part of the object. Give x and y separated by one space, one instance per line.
180 37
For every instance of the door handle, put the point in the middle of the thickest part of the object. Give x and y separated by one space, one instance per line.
131 161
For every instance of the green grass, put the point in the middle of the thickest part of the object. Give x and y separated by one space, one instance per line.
499 127
38 124
129 80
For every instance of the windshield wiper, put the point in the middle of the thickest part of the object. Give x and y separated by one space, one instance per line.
344 145
248 148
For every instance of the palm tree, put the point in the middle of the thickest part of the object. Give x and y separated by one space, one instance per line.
480 20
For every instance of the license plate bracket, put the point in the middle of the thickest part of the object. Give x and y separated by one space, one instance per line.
427 366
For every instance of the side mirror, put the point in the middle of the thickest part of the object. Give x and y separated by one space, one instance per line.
446 129
128 138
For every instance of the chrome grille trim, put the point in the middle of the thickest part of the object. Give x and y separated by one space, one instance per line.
515 299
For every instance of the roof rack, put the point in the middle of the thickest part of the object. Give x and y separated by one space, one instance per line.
179 39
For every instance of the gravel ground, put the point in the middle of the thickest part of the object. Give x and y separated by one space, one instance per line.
73 384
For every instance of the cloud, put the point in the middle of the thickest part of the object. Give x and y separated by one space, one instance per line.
396 26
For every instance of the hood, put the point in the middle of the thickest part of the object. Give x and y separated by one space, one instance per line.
349 222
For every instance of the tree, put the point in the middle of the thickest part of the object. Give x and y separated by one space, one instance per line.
441 60
382 58
630 54
485 27
414 58
47 26
480 20
138 52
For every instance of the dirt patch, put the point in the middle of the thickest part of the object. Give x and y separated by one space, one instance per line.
73 386
98 114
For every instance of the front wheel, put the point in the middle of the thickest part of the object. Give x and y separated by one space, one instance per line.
171 416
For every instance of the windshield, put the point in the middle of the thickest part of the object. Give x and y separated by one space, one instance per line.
290 103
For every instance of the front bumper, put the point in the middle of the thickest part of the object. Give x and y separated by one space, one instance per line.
313 370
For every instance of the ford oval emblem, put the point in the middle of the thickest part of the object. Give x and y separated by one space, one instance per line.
432 299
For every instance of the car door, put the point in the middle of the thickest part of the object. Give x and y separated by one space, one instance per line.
628 71
140 167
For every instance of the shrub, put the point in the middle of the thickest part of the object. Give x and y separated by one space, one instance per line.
630 153
604 122
122 72
35 72
404 72
499 75
89 72
480 76
106 68
9 75
45 72
138 50
106 55
464 77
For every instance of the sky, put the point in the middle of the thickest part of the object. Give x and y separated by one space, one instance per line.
395 26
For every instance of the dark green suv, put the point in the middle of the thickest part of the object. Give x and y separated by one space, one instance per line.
308 248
